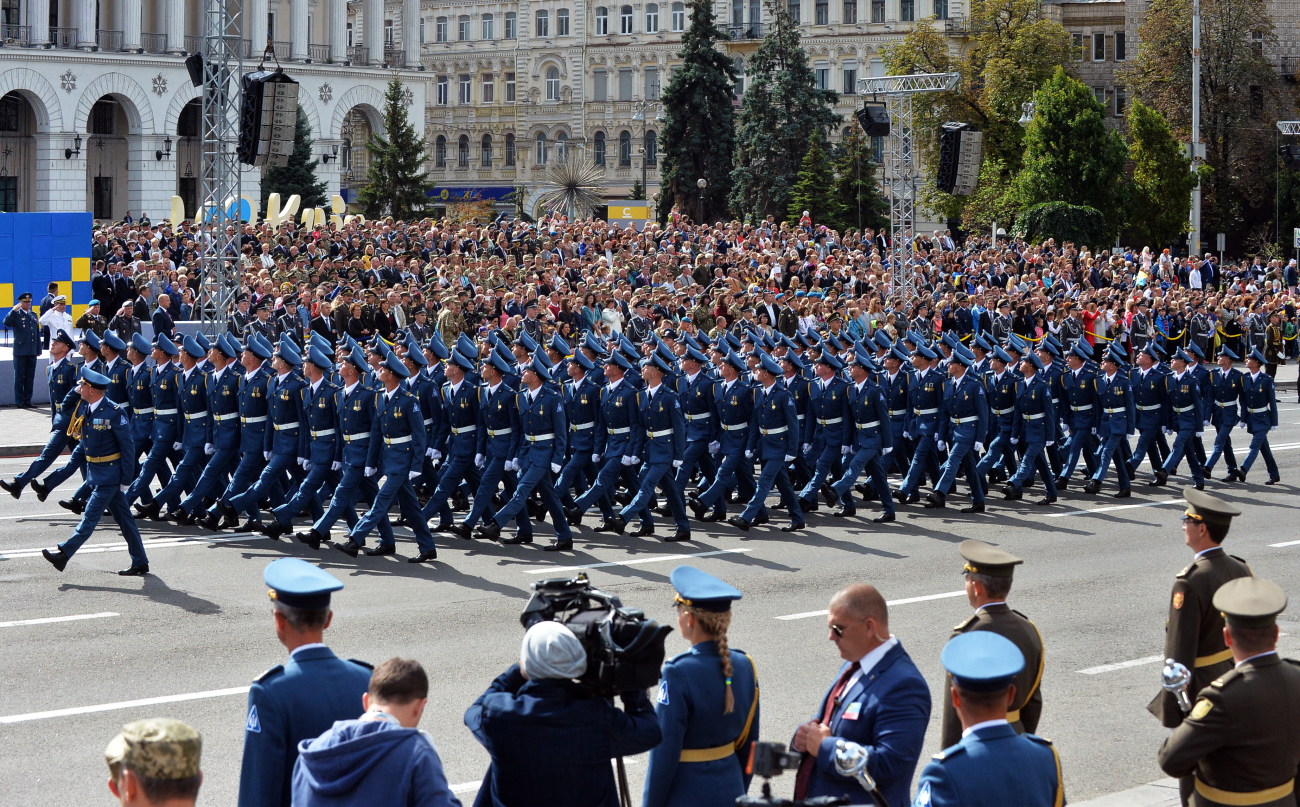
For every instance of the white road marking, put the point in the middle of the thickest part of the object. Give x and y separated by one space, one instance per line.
637 562
1113 508
161 543
17 623
39 515
904 601
109 707
1122 665
467 787
1285 543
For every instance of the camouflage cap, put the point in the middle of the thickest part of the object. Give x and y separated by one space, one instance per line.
157 747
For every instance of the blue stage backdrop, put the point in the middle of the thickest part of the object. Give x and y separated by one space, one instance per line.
39 248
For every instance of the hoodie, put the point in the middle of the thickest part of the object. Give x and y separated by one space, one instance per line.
375 762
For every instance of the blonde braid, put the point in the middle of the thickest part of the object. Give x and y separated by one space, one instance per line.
716 625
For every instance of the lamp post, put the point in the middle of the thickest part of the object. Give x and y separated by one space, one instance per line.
701 183
640 113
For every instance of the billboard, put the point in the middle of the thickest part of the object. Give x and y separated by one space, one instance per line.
40 248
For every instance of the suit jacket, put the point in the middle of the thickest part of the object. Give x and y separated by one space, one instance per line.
887 711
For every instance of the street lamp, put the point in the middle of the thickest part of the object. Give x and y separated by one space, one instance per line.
701 183
640 110
1027 109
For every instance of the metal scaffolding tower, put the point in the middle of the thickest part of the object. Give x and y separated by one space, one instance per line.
900 165
1289 127
219 186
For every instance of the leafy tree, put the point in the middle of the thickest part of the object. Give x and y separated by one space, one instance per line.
699 130
814 189
1070 155
299 176
638 190
1240 95
1160 202
1083 225
861 203
397 183
781 112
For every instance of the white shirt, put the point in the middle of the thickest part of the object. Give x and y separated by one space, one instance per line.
868 662
491 390
348 389
652 390
986 724
455 388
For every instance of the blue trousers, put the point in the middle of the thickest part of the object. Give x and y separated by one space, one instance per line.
536 476
961 458
1146 447
735 471
271 478
155 464
352 485
1112 452
246 472
576 473
455 471
396 488
493 472
867 460
1259 445
651 474
307 497
925 461
24 373
1081 445
76 462
184 478
696 456
999 449
825 461
603 486
1179 450
112 498
1222 448
212 480
53 448
1035 460
773 473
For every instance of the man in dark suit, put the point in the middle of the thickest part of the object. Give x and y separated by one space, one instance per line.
162 318
880 701
26 346
123 286
101 285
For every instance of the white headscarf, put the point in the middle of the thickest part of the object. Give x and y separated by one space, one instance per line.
550 650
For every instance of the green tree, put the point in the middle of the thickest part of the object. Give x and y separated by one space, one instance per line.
1070 155
299 176
638 190
1159 204
1080 224
1241 95
781 111
397 183
699 130
861 203
814 188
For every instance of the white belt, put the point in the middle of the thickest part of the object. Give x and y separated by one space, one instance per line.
926 411
498 432
623 430
393 441
1038 416
1184 408
1225 403
539 438
777 430
1149 407
700 416
1257 409
800 417
322 433
195 415
581 427
227 416
829 421
464 429
873 424
428 421
893 413
1083 408
660 433
285 427
148 410
959 421
1006 411
734 427
1113 410
254 419
164 411
351 438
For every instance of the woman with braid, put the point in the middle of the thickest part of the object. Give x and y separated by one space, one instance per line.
708 704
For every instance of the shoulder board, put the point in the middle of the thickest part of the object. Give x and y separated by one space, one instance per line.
1037 739
964 626
269 674
1226 679
1241 560
361 663
1183 574
949 752
1292 661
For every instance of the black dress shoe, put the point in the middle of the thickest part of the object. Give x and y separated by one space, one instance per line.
1092 487
1160 479
573 516
1012 493
884 518
159 515
643 529
441 527
680 535
274 529
558 546
401 522
250 525
71 504
1046 500
314 539
1201 485
184 519
935 501
697 507
793 527
623 497
135 570
142 510
845 511
517 539
716 515
56 558
349 547
739 523
616 525
210 521
1235 475
907 498
488 530
974 508
41 490
1272 481
1126 493
461 531
829 495
13 488
382 550
229 516
424 557
808 505
459 502
759 520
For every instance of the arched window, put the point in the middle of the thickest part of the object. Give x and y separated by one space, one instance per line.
678 22
625 19
625 149
485 150
562 22
562 147
602 21
541 149
543 27
462 152
652 18
552 84
598 149
510 149
739 63
440 152
512 26
463 28
651 148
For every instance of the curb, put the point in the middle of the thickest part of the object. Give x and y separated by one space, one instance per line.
24 451
1160 793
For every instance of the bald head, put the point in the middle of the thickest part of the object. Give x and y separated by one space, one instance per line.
862 601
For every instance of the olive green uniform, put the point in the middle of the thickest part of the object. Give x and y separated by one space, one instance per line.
1027 707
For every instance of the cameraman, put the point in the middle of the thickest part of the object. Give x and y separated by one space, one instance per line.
550 739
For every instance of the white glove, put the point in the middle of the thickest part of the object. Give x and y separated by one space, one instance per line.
1051 443
302 461
941 445
176 446
266 455
124 488
1065 431
436 455
846 450
749 455
789 458
1198 434
677 463
209 449
715 447
907 435
1241 424
806 447
371 471
1094 431
627 460
336 466
556 467
479 460
429 452
595 458
412 474
979 448
886 450
1207 424
1166 430
1015 440
634 460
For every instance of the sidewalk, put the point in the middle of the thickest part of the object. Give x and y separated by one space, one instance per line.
23 432
1160 793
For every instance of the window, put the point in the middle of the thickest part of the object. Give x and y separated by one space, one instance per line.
1099 47
462 28
543 27
485 151
561 147
464 94
677 22
822 75
625 19
624 149
941 9
652 83
737 12
1121 101
562 22
552 84
423 22
541 153
850 83
1121 47
440 29
652 18
602 21
489 94
850 12
270 25
462 152
792 8
877 10
600 85
625 84
11 107
1076 51
877 149
510 149
388 33
651 149
822 10
1100 94
739 64
510 88
441 91
349 30
512 25
440 152
489 26
907 11
598 149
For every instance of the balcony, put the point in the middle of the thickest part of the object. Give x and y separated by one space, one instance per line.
359 55
153 43
394 57
956 24
318 53
1288 67
19 35
65 38
109 41
736 33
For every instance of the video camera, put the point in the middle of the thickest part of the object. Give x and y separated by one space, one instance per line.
625 650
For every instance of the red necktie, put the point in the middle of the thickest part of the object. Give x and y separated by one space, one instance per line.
809 762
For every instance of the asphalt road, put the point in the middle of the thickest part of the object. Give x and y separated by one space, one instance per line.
186 641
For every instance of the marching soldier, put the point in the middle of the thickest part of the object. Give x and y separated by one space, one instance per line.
1186 417
498 439
734 405
827 428
660 444
1117 419
195 433
1033 430
1225 386
581 396
925 397
896 384
253 401
457 440
223 450
1079 411
614 445
963 422
357 450
1259 416
61 372
695 389
1151 397
165 393
1000 391
869 441
773 442
318 443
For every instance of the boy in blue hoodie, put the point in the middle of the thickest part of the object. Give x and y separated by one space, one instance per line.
380 759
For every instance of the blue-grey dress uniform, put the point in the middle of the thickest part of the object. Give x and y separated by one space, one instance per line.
772 441
1080 415
734 405
925 400
702 429
357 450
1225 389
1000 391
321 435
871 439
1118 420
1151 399
542 441
826 428
223 451
614 444
992 766
1259 414
458 443
26 347
104 429
702 758
62 377
253 404
963 424
498 441
165 392
59 439
1186 417
582 413
897 388
1033 428
298 700
139 393
660 444
196 433
280 447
